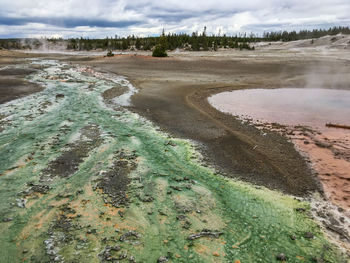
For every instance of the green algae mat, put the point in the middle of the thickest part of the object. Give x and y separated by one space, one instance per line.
83 179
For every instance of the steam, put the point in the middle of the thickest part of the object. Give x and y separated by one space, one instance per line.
57 46
44 45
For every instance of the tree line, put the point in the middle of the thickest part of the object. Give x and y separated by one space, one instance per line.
304 34
172 41
194 42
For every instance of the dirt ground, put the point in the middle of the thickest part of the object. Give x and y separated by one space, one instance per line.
13 84
173 93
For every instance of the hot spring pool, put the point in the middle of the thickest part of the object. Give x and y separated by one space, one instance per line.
290 106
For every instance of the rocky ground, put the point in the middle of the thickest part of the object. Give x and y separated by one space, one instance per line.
105 180
12 81
173 93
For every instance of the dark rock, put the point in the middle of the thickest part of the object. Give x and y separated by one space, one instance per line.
322 145
123 256
161 213
121 213
170 143
42 189
91 231
114 183
181 217
187 224
59 96
188 186
182 208
146 198
128 235
7 219
68 163
293 237
309 235
106 254
321 214
281 257
333 221
205 232
175 188
339 230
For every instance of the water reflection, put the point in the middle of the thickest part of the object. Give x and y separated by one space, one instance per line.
289 106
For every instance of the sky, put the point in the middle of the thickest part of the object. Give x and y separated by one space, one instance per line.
107 18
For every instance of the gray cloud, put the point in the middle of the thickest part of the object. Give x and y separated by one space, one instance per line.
66 22
100 18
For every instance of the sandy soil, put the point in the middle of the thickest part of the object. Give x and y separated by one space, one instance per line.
329 154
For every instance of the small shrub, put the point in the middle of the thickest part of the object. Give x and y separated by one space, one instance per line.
159 51
110 53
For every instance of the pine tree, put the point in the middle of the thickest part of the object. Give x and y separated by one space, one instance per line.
205 41
125 44
195 44
160 49
138 43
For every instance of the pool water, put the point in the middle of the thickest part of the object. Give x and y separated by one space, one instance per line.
289 106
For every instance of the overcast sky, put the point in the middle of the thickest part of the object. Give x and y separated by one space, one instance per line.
101 18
